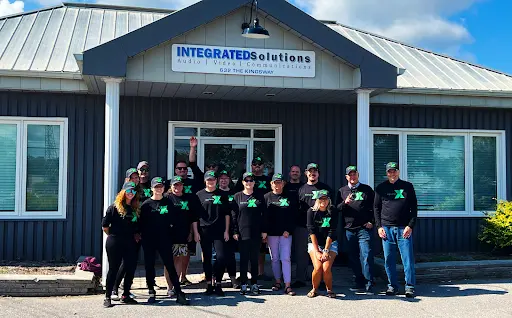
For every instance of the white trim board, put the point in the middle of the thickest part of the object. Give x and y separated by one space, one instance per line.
441 98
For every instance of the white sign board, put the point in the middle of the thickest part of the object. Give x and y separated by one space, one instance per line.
242 61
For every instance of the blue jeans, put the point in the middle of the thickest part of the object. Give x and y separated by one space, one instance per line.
360 254
394 237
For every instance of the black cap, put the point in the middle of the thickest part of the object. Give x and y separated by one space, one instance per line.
129 185
130 171
210 174
223 172
323 193
156 181
391 165
257 160
277 176
176 179
142 164
350 169
312 166
247 174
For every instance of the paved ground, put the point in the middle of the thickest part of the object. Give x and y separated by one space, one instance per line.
461 299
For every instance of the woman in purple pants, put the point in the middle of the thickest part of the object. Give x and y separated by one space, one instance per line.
279 224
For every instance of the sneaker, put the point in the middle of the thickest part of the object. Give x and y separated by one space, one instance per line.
128 300
357 288
152 297
209 290
181 299
234 283
391 291
185 282
171 293
409 292
255 289
369 290
243 289
107 303
219 291
115 295
298 284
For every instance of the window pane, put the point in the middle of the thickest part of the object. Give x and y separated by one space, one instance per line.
485 178
265 150
43 155
435 166
214 132
264 134
385 149
185 131
8 135
181 150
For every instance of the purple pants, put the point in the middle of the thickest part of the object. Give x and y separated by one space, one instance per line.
280 250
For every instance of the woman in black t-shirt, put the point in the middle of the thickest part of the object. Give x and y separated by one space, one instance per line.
121 224
322 221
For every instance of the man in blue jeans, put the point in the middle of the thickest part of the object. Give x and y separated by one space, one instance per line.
396 210
355 201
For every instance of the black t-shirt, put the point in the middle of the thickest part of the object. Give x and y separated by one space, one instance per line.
261 184
155 219
145 191
360 210
293 189
395 204
215 208
280 214
307 198
121 226
322 225
183 212
247 212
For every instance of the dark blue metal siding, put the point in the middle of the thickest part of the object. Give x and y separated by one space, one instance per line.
80 232
447 234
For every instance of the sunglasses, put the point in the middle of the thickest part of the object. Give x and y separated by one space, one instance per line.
131 191
143 170
249 180
182 168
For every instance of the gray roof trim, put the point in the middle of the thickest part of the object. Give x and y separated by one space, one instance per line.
116 7
109 59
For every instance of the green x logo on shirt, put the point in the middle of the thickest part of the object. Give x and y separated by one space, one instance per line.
326 222
216 199
147 192
188 189
184 205
231 197
163 209
134 217
284 202
359 196
251 203
399 194
262 184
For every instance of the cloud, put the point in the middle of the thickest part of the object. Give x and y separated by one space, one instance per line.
417 22
7 7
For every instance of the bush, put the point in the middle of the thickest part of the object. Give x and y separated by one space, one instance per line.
497 228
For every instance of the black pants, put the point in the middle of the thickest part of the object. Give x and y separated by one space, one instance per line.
122 270
164 249
120 249
249 252
208 241
229 257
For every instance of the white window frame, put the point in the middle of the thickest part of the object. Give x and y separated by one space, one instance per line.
21 169
468 135
278 128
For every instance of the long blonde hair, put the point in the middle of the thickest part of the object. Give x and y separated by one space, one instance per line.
316 207
120 204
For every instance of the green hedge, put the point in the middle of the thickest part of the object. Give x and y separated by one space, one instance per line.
497 228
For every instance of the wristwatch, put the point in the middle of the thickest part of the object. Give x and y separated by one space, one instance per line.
325 250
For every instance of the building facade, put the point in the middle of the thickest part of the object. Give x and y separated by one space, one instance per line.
88 91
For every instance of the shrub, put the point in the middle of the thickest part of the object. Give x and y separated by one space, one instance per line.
497 227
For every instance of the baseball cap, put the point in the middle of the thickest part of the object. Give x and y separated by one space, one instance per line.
130 171
391 165
350 169
277 176
247 174
312 166
176 179
209 175
257 160
156 181
129 185
223 173
142 164
323 193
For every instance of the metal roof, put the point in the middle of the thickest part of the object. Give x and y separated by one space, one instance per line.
45 41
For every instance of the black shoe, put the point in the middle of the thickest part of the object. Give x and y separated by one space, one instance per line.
369 290
298 284
391 291
409 292
357 288
128 300
152 297
243 289
219 291
181 299
107 303
209 290
185 282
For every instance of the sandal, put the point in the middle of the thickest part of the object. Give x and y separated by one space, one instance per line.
331 294
277 286
289 291
312 294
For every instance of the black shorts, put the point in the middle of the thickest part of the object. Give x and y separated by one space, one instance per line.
192 248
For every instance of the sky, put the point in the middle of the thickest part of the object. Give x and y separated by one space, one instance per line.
476 31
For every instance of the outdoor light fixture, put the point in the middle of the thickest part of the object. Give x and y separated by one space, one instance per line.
256 31
208 93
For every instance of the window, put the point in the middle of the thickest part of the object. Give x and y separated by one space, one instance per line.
33 167
454 173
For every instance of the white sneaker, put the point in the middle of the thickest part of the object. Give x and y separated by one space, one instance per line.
255 289
171 293
115 296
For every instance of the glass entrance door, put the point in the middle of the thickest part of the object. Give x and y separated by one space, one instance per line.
231 155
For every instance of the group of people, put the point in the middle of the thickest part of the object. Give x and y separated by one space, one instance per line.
258 214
